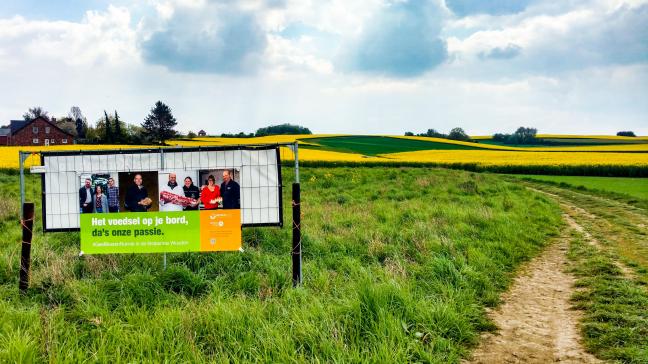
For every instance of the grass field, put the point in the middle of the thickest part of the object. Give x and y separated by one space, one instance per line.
635 187
374 145
399 266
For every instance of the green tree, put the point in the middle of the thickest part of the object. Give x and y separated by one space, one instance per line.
525 135
626 133
80 121
135 134
66 124
434 134
282 129
458 134
119 138
34 113
108 136
159 124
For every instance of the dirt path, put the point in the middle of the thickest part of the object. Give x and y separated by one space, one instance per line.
536 323
570 211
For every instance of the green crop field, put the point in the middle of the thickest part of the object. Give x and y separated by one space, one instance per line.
399 266
373 145
635 187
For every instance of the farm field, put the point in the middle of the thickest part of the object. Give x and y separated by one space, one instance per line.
375 145
627 160
399 266
634 187
552 141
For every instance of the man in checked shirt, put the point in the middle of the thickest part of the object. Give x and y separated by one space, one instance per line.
113 196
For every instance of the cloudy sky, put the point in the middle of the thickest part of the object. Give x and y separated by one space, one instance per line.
336 66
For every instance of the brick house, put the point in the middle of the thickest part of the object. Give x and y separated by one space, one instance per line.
202 133
4 135
39 131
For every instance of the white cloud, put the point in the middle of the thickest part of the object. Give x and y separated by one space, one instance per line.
100 38
590 35
551 69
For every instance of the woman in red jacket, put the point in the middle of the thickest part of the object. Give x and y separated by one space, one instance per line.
210 194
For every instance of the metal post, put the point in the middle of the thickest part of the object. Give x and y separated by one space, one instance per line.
25 255
296 210
21 160
162 168
296 236
296 150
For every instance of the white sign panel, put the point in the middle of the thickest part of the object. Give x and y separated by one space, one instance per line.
254 173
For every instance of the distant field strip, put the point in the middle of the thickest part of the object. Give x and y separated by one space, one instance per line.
636 187
605 160
522 158
374 145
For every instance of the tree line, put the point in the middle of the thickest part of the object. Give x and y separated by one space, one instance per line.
158 126
280 129
454 134
522 136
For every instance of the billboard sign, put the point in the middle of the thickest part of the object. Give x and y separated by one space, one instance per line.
161 200
157 232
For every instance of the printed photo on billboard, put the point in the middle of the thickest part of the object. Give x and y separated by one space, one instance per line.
220 189
139 191
93 192
178 190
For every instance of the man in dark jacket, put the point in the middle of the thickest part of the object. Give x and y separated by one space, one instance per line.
230 192
86 197
135 196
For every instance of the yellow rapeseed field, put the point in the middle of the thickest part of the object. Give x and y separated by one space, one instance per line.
571 136
9 155
597 148
521 158
492 155
587 148
272 139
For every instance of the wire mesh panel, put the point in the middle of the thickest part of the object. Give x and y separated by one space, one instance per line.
70 176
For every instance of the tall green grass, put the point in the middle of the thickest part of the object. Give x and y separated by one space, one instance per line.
399 265
630 187
615 326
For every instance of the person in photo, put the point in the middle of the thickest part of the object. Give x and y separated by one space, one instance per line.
100 204
167 202
113 196
137 199
230 191
86 195
210 194
193 192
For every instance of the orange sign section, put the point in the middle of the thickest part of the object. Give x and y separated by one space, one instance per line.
220 230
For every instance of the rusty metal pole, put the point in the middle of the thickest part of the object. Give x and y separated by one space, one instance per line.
27 223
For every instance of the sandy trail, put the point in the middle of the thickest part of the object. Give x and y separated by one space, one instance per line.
536 323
